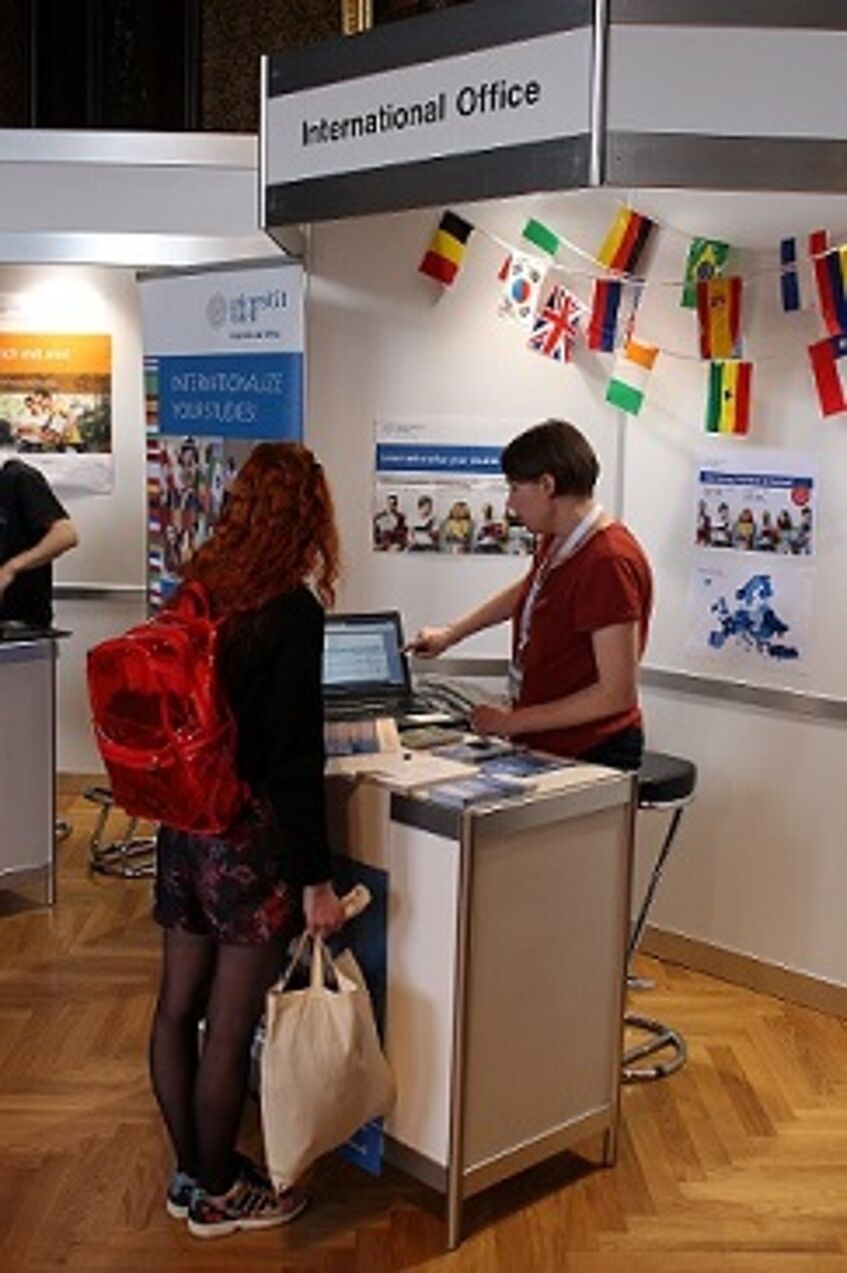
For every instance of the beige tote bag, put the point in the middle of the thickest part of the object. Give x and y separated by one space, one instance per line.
323 1073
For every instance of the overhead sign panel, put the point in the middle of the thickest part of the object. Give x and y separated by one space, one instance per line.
477 102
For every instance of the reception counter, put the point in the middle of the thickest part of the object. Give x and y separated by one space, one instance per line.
27 758
506 936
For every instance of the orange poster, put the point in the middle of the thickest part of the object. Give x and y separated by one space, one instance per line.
56 395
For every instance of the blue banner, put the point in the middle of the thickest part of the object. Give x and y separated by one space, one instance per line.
250 396
394 457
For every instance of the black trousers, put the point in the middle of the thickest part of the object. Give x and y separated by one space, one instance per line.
620 751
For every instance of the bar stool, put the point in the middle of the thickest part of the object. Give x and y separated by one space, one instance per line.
129 856
665 783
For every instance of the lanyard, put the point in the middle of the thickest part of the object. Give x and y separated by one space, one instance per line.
554 558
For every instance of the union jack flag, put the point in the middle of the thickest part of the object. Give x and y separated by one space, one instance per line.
556 325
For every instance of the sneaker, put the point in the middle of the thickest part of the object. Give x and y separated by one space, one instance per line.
180 1188
244 1206
181 1185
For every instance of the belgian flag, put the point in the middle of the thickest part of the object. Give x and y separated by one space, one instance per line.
447 249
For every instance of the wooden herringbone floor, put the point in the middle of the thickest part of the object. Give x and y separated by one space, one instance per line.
737 1163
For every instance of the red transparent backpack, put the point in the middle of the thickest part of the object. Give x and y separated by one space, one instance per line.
162 722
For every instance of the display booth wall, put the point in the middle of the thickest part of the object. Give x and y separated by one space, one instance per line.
99 584
759 869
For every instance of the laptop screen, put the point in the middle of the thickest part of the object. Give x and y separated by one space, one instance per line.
363 655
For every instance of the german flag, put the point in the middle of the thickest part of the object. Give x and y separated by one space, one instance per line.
626 240
728 406
447 250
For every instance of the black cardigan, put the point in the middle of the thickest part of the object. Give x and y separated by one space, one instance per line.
270 665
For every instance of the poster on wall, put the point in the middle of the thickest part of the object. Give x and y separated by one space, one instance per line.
749 615
223 370
766 505
56 397
438 488
754 538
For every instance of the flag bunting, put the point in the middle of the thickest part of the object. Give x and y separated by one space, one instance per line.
728 404
522 283
605 309
719 314
556 325
706 260
632 367
625 242
446 252
829 368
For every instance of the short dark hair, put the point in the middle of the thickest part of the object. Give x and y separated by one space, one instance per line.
557 448
7 436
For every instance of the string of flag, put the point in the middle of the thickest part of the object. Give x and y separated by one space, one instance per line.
533 295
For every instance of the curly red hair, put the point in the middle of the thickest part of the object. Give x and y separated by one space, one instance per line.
276 530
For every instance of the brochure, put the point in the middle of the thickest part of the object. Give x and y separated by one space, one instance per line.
473 751
476 790
525 765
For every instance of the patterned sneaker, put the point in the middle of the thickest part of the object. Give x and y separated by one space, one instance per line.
244 1206
181 1185
180 1188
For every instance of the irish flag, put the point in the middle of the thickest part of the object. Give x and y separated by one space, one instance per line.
632 367
728 407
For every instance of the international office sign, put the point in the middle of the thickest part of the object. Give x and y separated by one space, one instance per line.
480 101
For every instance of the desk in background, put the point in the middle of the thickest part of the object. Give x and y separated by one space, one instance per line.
28 757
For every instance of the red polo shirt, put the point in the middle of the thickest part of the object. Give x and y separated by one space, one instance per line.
606 581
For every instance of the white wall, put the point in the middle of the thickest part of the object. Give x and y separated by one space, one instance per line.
759 867
382 343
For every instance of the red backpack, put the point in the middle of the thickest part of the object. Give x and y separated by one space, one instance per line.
162 722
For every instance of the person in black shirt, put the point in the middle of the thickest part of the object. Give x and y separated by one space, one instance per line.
230 904
34 530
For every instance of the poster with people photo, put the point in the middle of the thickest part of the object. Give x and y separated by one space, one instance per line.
766 506
187 479
56 396
434 492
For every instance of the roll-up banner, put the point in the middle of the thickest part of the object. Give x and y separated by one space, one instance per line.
478 102
223 370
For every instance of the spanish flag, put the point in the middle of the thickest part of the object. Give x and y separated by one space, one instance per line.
728 407
447 250
625 242
719 312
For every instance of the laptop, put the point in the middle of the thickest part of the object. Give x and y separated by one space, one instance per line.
365 669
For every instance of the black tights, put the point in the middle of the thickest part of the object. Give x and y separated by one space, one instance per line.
202 1097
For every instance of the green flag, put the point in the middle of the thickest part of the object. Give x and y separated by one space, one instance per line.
706 259
537 233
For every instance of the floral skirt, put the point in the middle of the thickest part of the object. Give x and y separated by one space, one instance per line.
229 888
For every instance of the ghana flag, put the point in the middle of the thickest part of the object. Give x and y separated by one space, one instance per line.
728 408
447 249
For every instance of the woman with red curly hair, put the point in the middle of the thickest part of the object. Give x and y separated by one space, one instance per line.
229 905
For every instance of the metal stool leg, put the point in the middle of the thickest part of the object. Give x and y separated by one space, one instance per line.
130 856
662 1042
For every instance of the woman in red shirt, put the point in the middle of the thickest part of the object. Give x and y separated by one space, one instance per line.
579 618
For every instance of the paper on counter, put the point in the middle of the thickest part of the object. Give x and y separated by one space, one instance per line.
403 770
